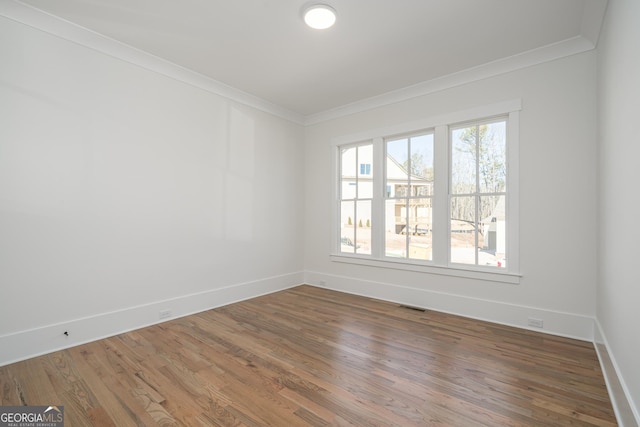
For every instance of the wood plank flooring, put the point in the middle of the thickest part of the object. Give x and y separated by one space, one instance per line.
314 357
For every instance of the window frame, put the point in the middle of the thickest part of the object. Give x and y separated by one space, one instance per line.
441 126
358 174
409 196
477 194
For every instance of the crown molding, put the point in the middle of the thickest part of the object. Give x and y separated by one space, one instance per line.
530 58
593 14
592 18
58 27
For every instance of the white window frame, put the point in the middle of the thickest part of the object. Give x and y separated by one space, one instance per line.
356 198
440 264
385 140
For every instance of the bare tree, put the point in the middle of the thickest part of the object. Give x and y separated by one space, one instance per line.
479 171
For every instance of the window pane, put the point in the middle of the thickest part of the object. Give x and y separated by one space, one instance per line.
365 188
400 190
422 190
420 230
348 173
365 160
422 157
348 190
478 152
365 172
397 158
492 244
363 230
395 228
463 230
347 230
463 160
422 166
493 157
348 163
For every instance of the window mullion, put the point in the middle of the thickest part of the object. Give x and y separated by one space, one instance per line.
440 220
476 217
407 227
377 204
407 209
476 220
356 216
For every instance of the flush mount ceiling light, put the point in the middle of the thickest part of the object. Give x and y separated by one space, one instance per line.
319 16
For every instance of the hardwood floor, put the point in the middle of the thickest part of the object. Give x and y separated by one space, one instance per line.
310 356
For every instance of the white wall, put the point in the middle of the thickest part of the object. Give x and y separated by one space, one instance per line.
618 292
557 202
123 192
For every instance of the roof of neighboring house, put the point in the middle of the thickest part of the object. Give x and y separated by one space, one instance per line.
498 211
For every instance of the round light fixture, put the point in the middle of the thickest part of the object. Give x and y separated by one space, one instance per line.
320 16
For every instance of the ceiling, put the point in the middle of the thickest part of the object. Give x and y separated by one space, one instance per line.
377 47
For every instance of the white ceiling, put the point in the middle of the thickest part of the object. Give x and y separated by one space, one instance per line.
377 47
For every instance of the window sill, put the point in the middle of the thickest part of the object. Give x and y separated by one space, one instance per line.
476 273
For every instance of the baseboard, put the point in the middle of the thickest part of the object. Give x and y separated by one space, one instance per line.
626 412
34 342
557 323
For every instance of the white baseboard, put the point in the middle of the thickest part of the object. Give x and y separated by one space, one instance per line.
34 342
626 412
555 322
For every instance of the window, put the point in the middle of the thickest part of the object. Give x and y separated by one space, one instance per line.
365 168
356 196
409 199
478 190
437 195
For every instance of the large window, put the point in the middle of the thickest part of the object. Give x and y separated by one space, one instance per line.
356 196
439 198
409 196
478 190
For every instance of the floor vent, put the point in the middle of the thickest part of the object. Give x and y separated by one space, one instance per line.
413 308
